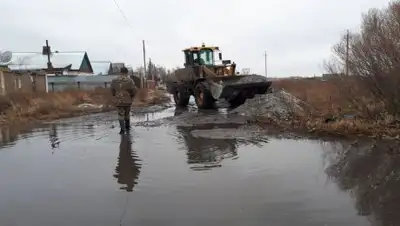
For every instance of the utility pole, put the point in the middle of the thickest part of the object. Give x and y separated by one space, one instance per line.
265 62
48 53
144 65
347 52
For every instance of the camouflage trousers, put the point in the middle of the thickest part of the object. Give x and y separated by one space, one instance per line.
124 112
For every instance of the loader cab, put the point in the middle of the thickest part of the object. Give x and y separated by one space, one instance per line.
196 56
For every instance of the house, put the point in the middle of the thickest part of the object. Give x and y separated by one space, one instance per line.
109 68
116 68
130 70
101 67
65 63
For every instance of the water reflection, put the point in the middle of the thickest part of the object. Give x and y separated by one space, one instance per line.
8 136
371 173
54 141
128 166
206 153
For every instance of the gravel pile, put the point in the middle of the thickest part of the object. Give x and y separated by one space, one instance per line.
278 105
251 79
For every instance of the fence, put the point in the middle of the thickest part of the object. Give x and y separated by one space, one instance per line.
61 83
26 82
32 82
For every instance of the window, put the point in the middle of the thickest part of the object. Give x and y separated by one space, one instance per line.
206 57
195 57
187 58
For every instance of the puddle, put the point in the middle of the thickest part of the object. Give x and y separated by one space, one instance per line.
182 167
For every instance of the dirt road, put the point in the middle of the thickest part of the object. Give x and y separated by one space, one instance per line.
178 167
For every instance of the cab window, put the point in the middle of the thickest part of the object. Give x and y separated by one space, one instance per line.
206 57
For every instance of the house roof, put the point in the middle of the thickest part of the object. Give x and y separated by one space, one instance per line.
36 60
101 67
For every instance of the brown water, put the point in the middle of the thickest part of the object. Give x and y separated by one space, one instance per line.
81 172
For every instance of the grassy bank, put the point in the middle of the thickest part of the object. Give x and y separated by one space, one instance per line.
28 107
330 108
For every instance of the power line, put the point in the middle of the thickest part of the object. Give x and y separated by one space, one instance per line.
123 14
129 24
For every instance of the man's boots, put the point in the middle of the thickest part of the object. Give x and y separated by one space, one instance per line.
122 126
127 125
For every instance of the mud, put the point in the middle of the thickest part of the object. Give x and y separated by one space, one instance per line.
185 167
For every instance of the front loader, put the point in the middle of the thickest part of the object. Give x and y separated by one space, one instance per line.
208 81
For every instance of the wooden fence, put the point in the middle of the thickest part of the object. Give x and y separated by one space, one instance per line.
27 82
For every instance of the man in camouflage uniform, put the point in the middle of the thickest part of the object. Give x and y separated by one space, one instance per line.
124 90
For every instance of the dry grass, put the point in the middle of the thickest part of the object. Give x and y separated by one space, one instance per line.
324 98
330 110
21 107
147 96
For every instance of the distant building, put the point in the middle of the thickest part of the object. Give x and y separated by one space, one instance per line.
101 67
61 63
130 70
116 68
109 68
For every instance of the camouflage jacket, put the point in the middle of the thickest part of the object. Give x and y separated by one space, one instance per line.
124 90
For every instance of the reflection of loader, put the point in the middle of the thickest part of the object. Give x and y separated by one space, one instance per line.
208 82
207 151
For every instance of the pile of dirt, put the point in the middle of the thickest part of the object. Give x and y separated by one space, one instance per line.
277 105
251 79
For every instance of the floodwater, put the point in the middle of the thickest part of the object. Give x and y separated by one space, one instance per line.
82 172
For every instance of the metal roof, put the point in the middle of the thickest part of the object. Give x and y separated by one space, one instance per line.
198 48
101 67
36 60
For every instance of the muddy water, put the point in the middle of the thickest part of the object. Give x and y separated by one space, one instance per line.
182 167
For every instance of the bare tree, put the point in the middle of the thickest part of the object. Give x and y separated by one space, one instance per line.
372 57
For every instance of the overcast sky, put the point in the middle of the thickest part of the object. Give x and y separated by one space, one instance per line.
297 35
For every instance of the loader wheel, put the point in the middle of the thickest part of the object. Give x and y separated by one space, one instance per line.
181 96
203 97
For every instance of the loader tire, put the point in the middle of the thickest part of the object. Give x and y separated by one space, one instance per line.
203 97
181 96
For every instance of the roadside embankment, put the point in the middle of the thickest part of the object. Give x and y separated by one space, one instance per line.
320 107
28 107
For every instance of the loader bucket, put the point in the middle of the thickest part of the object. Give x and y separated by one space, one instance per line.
246 86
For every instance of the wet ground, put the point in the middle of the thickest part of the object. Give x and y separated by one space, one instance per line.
184 167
